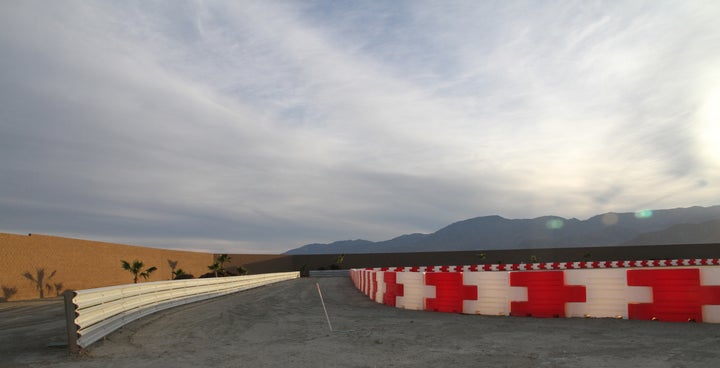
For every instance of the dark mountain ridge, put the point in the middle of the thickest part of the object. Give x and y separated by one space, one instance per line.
496 232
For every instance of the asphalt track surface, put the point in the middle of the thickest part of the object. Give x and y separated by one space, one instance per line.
283 325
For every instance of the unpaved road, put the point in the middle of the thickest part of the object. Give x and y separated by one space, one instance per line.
283 325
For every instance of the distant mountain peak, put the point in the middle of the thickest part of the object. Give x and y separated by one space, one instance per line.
497 232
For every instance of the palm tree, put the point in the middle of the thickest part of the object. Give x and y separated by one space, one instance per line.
338 262
241 271
215 267
173 265
222 259
39 280
136 268
177 273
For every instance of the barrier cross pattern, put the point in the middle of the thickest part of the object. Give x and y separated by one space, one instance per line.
679 290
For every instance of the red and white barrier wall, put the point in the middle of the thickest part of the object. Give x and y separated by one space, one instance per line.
671 290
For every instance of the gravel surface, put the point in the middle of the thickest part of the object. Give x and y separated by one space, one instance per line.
283 325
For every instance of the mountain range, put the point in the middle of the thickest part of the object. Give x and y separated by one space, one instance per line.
693 225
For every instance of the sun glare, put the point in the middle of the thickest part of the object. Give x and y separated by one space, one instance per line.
709 133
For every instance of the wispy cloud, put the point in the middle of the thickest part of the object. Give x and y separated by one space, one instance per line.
261 126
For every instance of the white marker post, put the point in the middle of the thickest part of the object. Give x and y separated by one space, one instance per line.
323 304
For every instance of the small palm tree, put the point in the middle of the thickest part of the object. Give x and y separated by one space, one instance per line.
222 259
338 262
215 268
241 271
173 265
340 259
136 268
177 273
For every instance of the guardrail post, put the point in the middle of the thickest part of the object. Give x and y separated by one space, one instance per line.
72 328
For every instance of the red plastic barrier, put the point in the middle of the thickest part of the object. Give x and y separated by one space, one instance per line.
392 288
364 282
677 295
449 292
547 294
668 294
374 282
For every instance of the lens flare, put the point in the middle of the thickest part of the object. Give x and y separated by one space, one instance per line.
643 214
554 224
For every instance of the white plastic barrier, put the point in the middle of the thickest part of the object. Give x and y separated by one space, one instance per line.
94 313
380 292
370 287
414 290
636 290
606 292
710 276
494 293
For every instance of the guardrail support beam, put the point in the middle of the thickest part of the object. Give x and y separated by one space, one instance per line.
72 335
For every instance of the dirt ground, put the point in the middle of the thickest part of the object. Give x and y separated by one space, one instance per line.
283 325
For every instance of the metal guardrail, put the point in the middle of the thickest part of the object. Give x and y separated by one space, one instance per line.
94 313
329 273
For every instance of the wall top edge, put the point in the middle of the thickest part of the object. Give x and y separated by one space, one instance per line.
542 266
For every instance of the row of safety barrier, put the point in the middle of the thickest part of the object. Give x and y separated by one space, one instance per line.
676 290
94 313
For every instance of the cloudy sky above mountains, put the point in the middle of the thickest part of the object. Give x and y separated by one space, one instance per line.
259 126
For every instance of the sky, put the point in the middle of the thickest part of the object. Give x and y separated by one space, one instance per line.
260 126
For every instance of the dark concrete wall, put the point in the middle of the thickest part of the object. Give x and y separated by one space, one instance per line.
276 263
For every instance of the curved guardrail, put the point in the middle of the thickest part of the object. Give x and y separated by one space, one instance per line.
94 313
